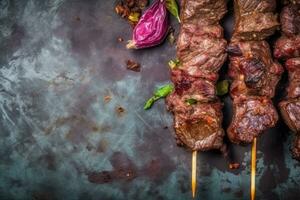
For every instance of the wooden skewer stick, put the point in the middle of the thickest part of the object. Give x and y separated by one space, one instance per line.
194 173
253 169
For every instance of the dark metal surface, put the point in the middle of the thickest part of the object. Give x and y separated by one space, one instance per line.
60 140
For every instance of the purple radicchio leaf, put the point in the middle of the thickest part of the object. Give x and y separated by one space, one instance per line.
152 27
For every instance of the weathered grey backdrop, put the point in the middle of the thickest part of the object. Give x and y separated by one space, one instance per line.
60 140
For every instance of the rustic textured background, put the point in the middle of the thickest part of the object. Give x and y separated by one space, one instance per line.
60 140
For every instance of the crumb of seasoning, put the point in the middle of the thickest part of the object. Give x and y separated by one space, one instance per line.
77 18
120 39
121 10
107 99
120 110
165 127
131 10
133 66
234 165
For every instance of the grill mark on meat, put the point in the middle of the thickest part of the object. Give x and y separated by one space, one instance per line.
253 71
201 51
288 48
252 116
234 50
290 111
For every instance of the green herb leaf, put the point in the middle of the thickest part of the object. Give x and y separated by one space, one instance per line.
173 8
222 87
174 63
191 101
149 103
164 91
158 94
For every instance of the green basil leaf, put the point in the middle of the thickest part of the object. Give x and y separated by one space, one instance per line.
164 91
173 8
191 101
174 63
222 87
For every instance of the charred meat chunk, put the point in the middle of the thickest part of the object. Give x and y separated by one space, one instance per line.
197 126
193 88
252 69
293 67
202 53
252 116
287 47
290 111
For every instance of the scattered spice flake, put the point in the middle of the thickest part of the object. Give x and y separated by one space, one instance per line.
120 111
102 146
77 18
120 39
234 165
133 66
122 10
107 99
131 9
142 3
89 147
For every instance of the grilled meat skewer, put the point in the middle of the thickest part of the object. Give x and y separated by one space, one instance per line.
288 48
201 51
253 71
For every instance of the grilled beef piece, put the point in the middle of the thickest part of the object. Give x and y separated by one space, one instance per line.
290 111
255 19
290 20
253 70
296 148
203 11
252 116
197 126
290 108
293 67
201 51
189 87
287 47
